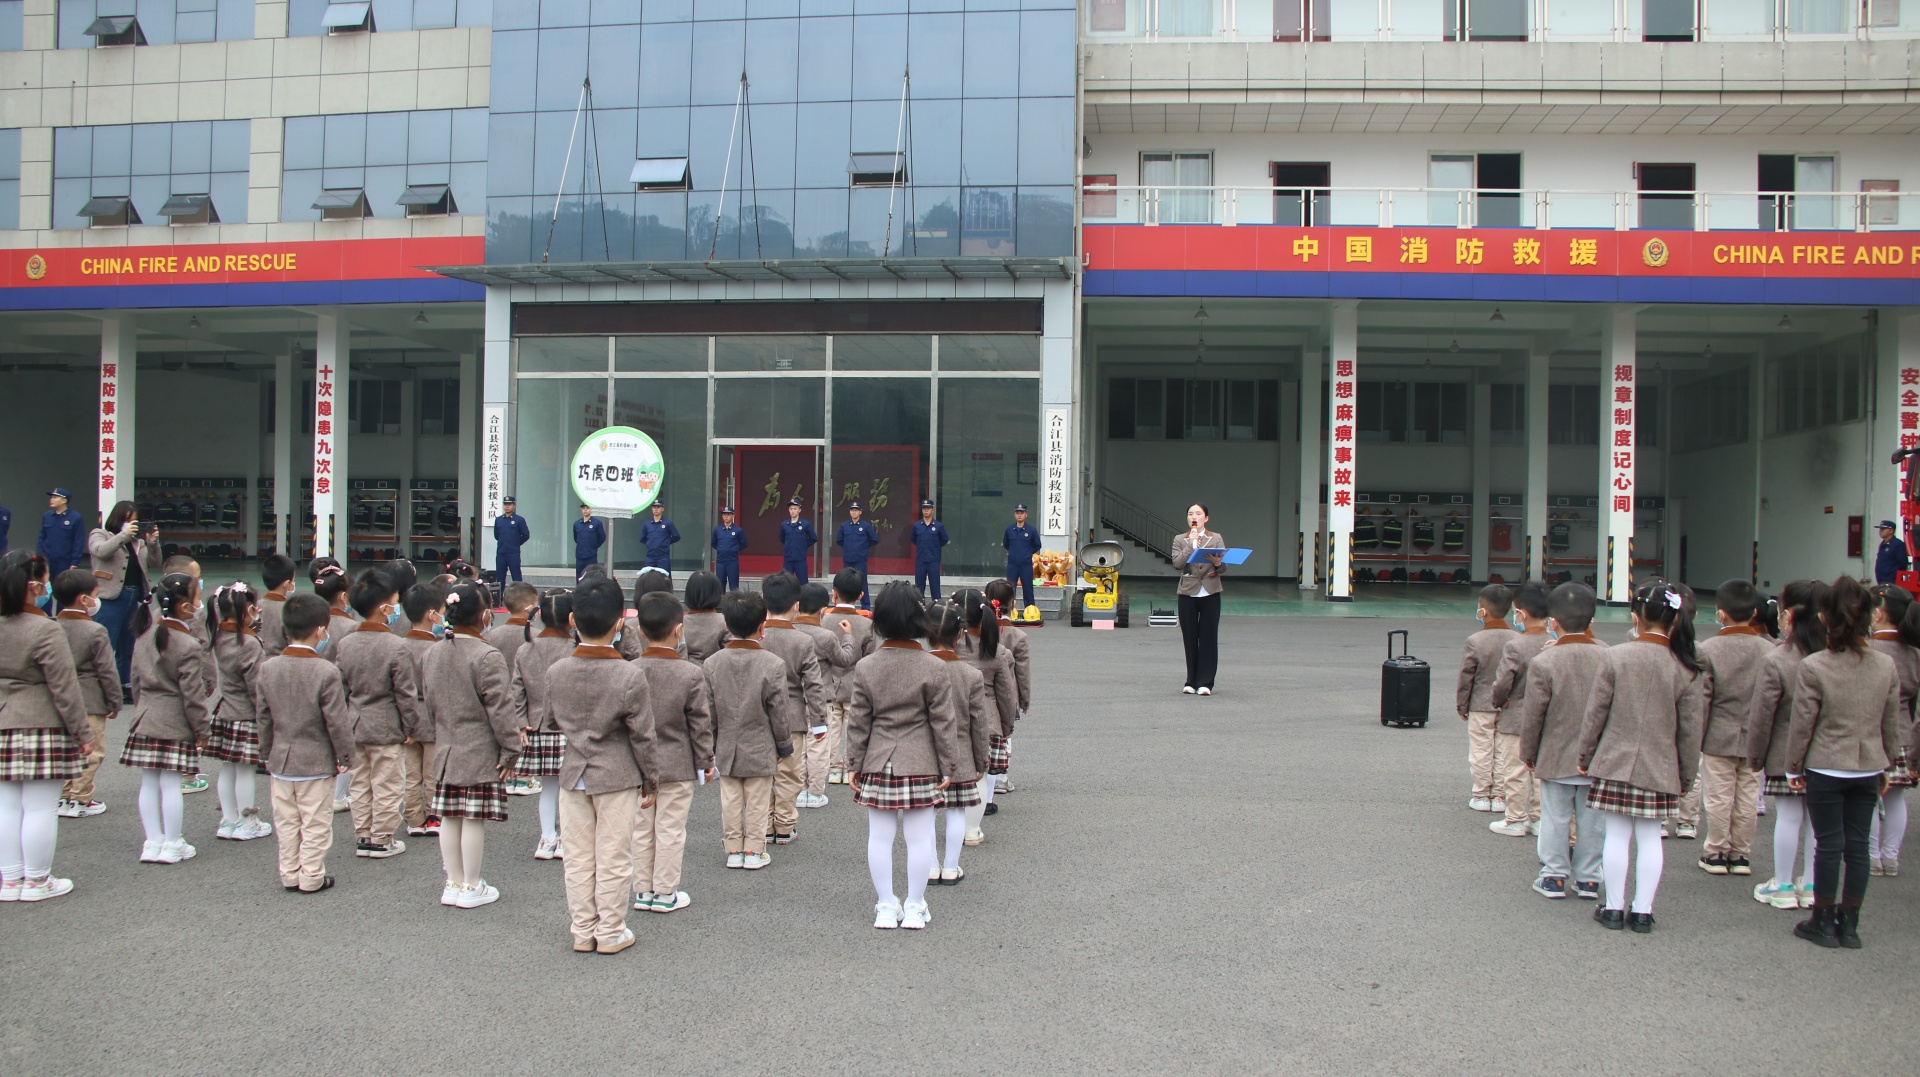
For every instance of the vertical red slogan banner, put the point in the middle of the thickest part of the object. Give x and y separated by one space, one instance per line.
323 448
1619 492
110 441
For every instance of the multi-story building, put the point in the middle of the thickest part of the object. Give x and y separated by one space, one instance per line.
1540 286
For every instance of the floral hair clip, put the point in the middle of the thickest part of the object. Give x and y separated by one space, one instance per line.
453 599
1673 599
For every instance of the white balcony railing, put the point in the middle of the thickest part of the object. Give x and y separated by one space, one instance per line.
1428 207
1469 20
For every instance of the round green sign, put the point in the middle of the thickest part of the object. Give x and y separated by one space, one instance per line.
618 469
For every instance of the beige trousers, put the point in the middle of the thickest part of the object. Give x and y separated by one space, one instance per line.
379 785
1690 803
597 830
817 757
81 788
303 821
837 735
787 783
1516 781
419 794
1480 751
1729 787
744 804
660 839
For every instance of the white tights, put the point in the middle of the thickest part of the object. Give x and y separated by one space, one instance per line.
1792 830
28 825
161 805
234 785
956 836
1888 833
1622 829
462 843
549 808
978 813
917 826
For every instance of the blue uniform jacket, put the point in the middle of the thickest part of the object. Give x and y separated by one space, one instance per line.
63 539
511 533
1891 559
728 542
659 539
588 537
927 540
855 539
1021 543
796 537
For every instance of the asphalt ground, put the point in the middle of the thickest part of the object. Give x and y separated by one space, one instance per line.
1263 881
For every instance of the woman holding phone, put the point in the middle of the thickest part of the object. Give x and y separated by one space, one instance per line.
1199 599
126 559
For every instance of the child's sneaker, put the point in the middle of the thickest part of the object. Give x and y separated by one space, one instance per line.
1874 868
755 861
735 860
1499 804
810 800
65 809
10 889
224 832
195 784
914 915
1686 831
837 776
545 850
1589 891
475 896
673 902
44 888
429 827
362 846
449 894
643 901
150 852
393 847
173 852
251 827
1714 863
1480 803
1804 892
1780 897
1739 865
1890 868
559 848
886 915
625 940
1550 886
974 837
1511 828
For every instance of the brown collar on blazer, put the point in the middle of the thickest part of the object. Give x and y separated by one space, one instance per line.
590 650
519 620
299 650
1878 633
1749 630
550 633
744 644
1495 622
271 597
903 644
660 652
75 615
1575 637
1536 630
370 626
808 619
420 633
779 622
1651 637
177 626
946 654
234 627
465 631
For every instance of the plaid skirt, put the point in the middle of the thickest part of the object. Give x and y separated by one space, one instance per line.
999 754
486 801
233 742
900 792
1900 778
963 796
153 753
541 755
38 755
1776 786
1608 795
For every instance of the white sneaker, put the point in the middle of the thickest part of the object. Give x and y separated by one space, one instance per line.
1188 690
252 827
559 849
449 895
1499 804
224 832
66 809
1480 803
10 889
150 853
1510 829
755 861
811 800
42 889
85 809
886 915
735 860
340 805
673 902
643 900
914 915
1004 786
173 852
544 851
480 894
1205 691
523 787
1686 831
393 847
974 837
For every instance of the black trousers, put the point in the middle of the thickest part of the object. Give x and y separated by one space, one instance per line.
1842 814
1200 632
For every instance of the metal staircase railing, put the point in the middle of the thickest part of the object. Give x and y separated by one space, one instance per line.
1137 524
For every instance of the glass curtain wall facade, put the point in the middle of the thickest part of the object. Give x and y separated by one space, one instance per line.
781 129
885 419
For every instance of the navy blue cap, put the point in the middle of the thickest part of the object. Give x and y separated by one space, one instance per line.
726 509
507 500
1020 507
60 491
857 505
1888 523
795 501
926 502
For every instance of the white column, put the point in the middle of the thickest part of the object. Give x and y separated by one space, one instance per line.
1313 361
329 436
1343 462
1537 375
119 396
1618 386
1757 435
496 415
286 492
1480 534
250 497
1060 419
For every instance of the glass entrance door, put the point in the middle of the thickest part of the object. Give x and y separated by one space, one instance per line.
758 478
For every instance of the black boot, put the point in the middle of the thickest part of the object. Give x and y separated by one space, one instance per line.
1819 928
1847 926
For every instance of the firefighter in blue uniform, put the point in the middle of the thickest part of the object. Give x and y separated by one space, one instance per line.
63 534
1022 542
658 535
796 537
589 535
929 535
728 540
857 538
1892 558
509 534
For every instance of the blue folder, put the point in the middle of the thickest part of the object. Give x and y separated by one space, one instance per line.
1234 556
